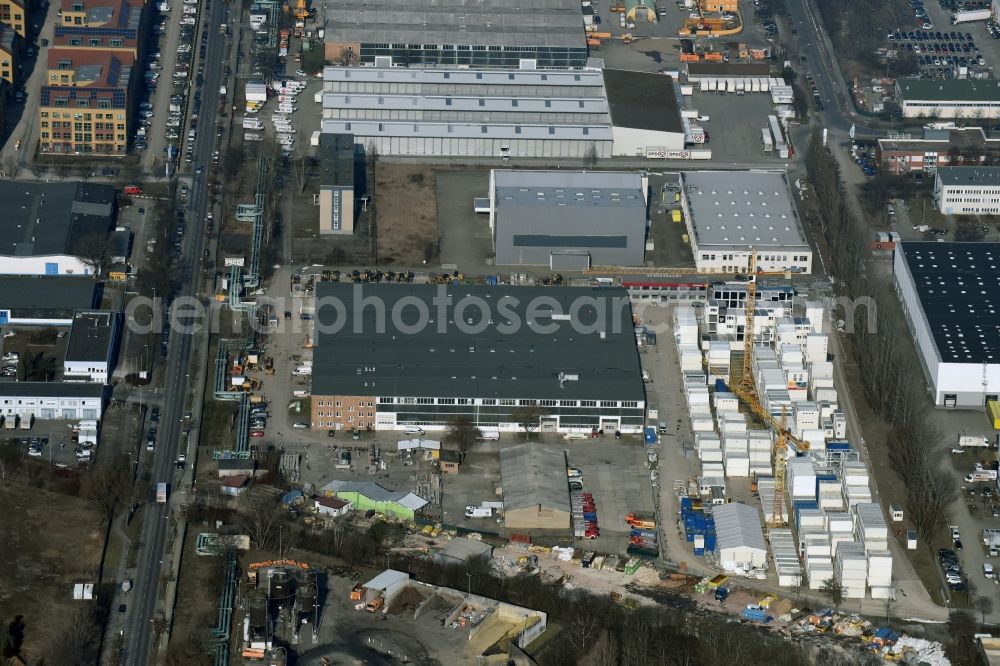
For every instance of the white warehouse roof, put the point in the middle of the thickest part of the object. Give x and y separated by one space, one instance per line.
742 208
737 527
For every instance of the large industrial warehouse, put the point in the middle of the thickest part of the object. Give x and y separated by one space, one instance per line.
476 33
535 488
951 292
645 115
568 220
498 114
731 213
469 113
48 222
388 356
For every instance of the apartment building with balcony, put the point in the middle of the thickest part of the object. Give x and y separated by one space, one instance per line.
9 54
84 105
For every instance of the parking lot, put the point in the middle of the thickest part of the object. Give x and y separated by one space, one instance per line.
943 54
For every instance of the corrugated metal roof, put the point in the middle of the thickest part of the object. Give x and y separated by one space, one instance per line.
738 526
534 475
387 579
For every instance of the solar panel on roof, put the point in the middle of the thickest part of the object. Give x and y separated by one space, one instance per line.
66 31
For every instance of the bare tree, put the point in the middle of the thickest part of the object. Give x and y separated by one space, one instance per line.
110 485
75 639
95 251
984 604
833 590
260 517
302 166
529 417
462 433
590 156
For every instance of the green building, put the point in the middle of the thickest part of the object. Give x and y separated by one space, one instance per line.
367 495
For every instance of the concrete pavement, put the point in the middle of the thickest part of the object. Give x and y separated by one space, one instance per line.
178 382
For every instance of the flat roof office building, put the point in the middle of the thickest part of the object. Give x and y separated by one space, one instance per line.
470 33
967 190
952 98
336 183
568 220
390 356
730 213
951 295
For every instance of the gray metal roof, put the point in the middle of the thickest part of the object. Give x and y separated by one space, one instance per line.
377 493
576 189
91 336
509 359
387 579
970 176
460 76
958 285
734 69
461 549
534 475
47 297
44 219
51 389
336 160
740 209
738 526
495 102
640 100
468 130
553 23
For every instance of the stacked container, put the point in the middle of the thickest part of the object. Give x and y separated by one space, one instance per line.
855 484
880 573
699 529
817 345
685 326
709 446
765 491
870 527
852 569
800 477
840 526
786 557
759 444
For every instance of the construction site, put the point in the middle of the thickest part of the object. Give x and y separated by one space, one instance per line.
281 599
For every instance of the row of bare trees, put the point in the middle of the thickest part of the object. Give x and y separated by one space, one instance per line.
886 358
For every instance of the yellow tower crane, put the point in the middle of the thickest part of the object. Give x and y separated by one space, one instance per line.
746 392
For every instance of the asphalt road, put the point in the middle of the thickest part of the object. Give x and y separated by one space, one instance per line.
139 627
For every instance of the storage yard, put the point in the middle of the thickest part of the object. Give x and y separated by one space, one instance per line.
781 445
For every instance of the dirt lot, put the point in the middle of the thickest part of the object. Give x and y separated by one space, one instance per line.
50 542
406 206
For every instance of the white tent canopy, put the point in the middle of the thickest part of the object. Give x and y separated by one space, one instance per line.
739 537
409 444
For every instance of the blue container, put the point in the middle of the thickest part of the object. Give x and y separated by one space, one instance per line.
840 445
699 520
649 434
699 552
720 386
689 536
590 516
491 280
710 542
805 504
686 504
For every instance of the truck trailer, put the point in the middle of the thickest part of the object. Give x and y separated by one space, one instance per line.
969 16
